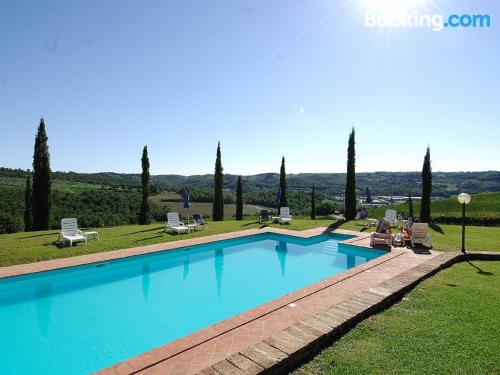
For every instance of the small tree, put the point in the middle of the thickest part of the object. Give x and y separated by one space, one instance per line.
41 201
284 197
239 199
368 195
313 203
218 205
144 211
28 215
350 185
425 205
410 205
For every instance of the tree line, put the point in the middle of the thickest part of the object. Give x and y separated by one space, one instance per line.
350 198
38 188
445 184
350 187
94 207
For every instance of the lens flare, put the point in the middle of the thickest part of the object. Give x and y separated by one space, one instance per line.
390 8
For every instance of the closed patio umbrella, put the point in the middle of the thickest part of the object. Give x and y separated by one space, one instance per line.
278 200
185 200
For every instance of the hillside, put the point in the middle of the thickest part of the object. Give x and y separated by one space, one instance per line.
484 209
170 201
445 184
113 199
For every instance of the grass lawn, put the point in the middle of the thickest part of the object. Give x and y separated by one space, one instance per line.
447 325
486 205
28 247
35 246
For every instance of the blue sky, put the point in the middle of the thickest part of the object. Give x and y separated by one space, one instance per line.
266 78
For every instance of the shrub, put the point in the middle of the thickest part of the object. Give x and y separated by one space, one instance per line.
10 223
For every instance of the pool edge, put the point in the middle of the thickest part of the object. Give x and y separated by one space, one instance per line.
80 260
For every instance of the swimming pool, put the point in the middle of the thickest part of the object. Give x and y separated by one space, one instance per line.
81 319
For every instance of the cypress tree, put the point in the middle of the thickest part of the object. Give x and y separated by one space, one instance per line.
144 215
425 206
284 197
410 205
28 215
368 195
218 205
41 202
239 199
313 203
350 184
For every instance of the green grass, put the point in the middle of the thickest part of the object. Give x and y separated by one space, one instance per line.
482 206
29 247
447 325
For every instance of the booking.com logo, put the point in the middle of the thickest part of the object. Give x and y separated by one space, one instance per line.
437 22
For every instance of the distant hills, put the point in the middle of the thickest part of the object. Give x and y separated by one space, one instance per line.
114 198
445 184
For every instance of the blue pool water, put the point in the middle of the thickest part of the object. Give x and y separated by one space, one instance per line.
82 319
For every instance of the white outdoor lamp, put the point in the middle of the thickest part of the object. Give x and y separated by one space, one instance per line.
463 199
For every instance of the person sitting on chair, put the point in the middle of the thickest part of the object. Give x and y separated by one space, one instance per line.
407 231
382 233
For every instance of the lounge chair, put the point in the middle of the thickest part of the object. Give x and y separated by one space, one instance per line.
363 214
285 217
198 222
264 216
368 221
70 232
174 225
419 234
391 216
382 234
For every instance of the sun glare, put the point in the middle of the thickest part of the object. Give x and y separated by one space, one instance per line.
393 7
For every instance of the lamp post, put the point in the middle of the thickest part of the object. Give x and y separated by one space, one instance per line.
463 199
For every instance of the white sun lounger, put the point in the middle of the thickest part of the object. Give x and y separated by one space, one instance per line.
285 217
419 234
174 225
70 232
198 222
391 216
